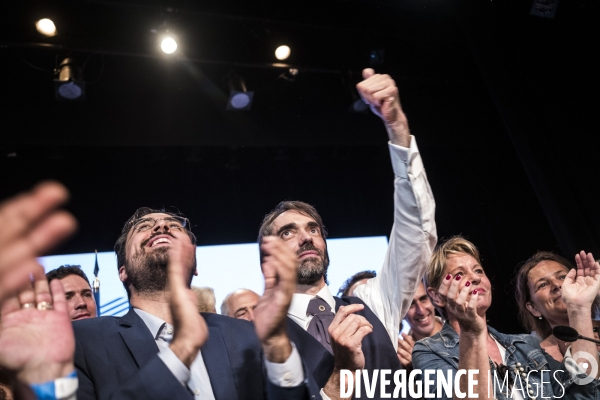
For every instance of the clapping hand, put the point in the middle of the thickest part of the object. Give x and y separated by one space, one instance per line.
31 225
405 348
462 303
190 328
581 286
270 315
37 342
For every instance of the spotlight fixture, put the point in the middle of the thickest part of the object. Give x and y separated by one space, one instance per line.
69 84
46 27
282 52
240 99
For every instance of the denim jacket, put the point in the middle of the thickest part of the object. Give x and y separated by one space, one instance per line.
523 355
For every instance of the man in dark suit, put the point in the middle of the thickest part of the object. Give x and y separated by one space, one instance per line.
164 349
360 332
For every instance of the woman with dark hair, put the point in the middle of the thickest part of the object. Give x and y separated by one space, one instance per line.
543 304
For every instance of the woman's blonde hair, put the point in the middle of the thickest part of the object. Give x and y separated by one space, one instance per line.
435 272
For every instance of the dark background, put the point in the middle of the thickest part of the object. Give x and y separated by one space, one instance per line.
503 105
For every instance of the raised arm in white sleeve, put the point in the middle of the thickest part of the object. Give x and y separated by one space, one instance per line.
414 234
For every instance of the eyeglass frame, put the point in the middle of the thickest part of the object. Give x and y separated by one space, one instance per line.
185 222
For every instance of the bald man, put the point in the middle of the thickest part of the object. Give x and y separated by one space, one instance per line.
240 304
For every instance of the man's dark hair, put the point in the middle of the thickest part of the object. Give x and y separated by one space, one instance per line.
139 213
65 270
266 227
353 279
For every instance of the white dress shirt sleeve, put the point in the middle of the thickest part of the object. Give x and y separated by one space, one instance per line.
412 241
288 374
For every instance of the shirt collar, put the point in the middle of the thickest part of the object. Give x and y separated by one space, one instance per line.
154 324
300 302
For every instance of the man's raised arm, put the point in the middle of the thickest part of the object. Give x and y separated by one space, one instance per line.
414 234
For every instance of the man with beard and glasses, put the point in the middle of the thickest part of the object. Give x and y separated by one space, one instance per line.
164 349
360 333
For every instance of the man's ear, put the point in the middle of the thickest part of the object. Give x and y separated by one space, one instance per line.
435 297
531 308
123 274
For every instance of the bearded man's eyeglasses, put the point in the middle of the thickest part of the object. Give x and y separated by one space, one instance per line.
144 224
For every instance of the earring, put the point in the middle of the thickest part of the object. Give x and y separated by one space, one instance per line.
540 317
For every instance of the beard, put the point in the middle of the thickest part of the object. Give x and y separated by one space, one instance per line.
312 269
147 271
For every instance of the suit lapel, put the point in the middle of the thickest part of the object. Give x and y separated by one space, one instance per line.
216 359
137 338
338 303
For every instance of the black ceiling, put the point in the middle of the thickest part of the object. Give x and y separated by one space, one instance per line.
502 103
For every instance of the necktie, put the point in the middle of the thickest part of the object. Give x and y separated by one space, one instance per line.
322 317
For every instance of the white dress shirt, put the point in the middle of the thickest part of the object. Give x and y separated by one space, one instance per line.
288 374
412 241
297 311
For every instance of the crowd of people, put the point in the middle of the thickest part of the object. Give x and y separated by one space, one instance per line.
295 339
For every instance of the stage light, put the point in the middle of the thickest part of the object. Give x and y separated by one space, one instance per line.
168 45
46 27
69 83
240 99
282 52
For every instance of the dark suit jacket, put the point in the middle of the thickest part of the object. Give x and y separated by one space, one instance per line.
377 348
117 358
